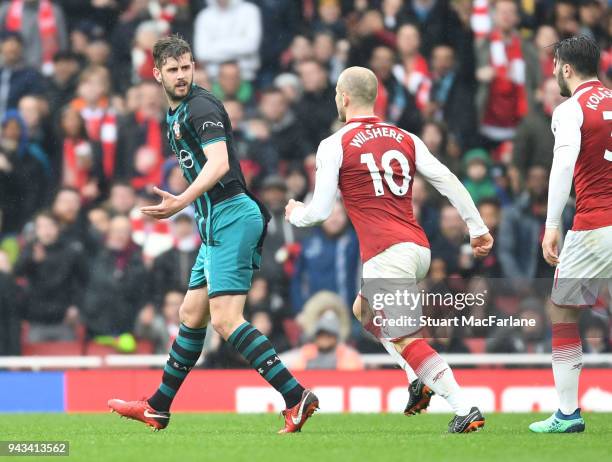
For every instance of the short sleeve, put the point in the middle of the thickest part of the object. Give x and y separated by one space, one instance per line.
208 120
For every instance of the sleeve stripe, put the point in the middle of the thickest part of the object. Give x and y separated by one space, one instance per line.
213 141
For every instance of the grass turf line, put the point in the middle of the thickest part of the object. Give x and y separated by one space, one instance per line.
253 438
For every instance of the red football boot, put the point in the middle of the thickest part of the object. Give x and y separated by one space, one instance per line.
296 416
140 410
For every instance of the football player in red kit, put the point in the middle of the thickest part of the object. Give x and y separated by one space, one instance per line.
582 126
373 164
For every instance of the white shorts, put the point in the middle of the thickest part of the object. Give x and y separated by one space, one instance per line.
405 260
585 265
398 268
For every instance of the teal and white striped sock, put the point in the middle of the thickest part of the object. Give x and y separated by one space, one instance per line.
259 352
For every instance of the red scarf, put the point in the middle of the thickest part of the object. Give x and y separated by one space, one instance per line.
47 29
154 142
417 81
101 124
507 103
73 175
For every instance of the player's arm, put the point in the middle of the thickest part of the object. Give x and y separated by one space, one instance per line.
208 122
329 159
445 181
566 123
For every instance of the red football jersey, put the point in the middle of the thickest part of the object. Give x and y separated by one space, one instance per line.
593 171
585 121
375 178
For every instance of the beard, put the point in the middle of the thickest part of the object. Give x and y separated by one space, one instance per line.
171 90
563 87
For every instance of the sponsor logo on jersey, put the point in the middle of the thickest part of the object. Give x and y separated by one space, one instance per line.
211 124
185 159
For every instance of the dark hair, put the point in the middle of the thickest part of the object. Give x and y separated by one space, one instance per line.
492 201
46 214
582 53
169 47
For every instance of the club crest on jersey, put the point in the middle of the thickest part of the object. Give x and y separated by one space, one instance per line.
177 130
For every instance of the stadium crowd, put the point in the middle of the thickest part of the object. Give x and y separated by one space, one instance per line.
82 143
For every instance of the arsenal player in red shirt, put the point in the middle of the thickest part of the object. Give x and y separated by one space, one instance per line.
582 126
373 164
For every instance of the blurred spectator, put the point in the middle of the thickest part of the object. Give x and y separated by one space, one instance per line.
117 288
546 37
595 332
141 144
316 110
279 249
98 52
412 71
425 211
25 173
160 327
10 309
565 18
522 228
437 20
43 27
229 85
256 152
447 244
325 321
527 339
328 260
93 102
478 182
56 274
299 51
62 84
287 133
172 268
147 33
490 211
290 85
228 30
330 18
451 98
280 21
66 208
435 137
393 103
34 111
16 78
508 73
98 219
122 198
153 236
81 159
366 35
534 141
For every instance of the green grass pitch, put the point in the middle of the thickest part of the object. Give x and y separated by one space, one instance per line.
326 437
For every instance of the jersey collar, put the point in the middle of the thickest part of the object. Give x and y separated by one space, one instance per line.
368 118
591 83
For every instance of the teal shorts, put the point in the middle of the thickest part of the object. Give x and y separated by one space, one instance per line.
226 266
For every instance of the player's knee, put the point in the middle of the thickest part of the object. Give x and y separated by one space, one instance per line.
191 317
560 314
224 325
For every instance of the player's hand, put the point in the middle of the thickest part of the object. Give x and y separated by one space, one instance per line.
482 245
169 205
550 246
291 205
